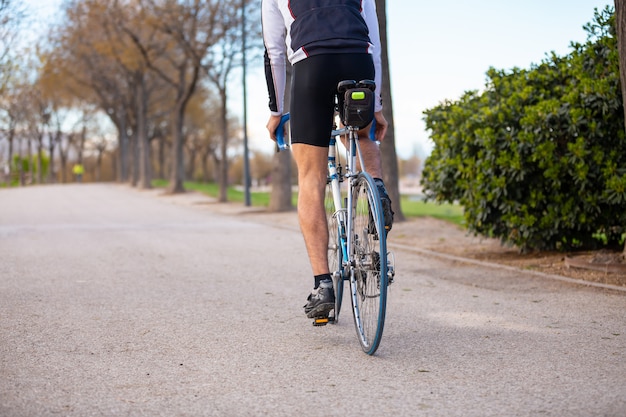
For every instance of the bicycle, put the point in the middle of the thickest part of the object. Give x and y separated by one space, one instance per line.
357 248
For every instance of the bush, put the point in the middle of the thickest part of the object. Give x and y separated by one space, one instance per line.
538 159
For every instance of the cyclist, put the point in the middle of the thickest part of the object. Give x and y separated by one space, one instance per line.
326 41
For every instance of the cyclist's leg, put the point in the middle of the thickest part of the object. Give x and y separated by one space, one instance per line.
311 162
371 157
314 226
372 161
311 112
312 106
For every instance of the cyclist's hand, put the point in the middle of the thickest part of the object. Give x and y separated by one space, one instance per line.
272 125
381 126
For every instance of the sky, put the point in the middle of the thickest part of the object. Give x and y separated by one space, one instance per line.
437 51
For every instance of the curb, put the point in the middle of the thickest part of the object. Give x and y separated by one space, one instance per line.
448 257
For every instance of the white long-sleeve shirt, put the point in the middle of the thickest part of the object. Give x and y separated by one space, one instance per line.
297 29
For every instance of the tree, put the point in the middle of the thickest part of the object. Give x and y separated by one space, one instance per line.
38 124
537 158
80 69
389 156
11 17
15 107
135 69
223 56
189 28
620 26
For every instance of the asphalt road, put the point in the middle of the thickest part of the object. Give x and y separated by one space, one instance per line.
118 302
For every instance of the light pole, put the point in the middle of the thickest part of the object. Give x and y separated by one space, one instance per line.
246 159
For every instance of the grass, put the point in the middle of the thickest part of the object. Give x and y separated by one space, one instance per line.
411 207
259 199
452 213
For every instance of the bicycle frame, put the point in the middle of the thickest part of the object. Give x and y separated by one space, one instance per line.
343 220
359 260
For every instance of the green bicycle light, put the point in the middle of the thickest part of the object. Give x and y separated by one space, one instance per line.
358 95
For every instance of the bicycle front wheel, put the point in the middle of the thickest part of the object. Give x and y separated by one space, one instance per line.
368 280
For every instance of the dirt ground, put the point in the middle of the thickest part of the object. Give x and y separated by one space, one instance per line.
443 237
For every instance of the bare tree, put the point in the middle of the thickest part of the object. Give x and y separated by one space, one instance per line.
81 69
99 146
130 58
64 145
14 105
55 134
222 58
189 28
11 15
38 121
134 70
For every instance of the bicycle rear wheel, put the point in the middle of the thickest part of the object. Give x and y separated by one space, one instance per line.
335 251
368 282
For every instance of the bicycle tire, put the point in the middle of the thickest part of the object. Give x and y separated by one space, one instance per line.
335 252
368 281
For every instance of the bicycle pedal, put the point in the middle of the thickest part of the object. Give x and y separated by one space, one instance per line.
322 321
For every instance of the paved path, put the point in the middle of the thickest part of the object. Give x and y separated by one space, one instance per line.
117 302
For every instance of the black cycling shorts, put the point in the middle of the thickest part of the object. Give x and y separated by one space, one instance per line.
313 91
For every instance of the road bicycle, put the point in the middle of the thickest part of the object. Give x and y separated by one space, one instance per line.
357 245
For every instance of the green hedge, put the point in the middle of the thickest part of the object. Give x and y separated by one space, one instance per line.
538 159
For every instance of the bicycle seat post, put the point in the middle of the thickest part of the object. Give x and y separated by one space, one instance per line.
354 151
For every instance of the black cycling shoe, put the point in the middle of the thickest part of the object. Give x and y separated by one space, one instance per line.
321 300
386 204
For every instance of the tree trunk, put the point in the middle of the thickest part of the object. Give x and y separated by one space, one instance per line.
20 165
162 158
10 139
81 144
178 164
223 195
204 159
134 154
40 158
389 158
52 141
63 159
99 165
620 23
123 161
185 90
145 180
31 166
280 196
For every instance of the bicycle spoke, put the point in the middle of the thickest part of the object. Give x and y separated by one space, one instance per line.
335 256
